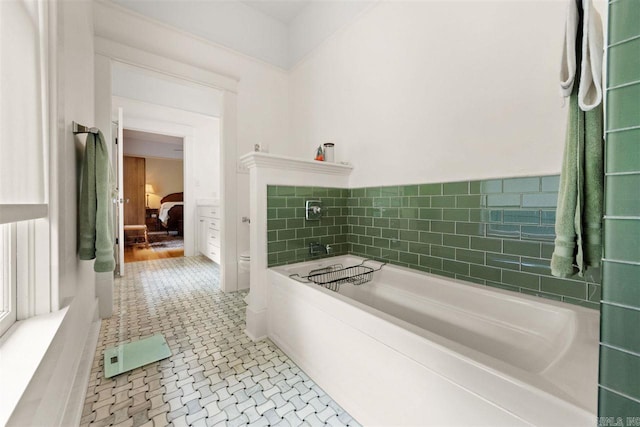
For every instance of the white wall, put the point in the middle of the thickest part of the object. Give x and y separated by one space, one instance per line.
437 91
207 160
144 85
166 176
48 394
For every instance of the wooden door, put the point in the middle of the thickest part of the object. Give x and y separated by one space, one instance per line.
134 181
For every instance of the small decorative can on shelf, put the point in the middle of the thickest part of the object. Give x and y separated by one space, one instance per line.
328 152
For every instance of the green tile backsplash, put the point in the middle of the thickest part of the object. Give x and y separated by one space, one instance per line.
289 234
619 394
497 232
489 232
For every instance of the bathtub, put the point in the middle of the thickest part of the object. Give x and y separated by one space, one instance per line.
410 348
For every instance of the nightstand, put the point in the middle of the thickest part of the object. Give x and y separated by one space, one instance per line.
151 219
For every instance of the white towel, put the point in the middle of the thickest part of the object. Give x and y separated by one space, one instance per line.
590 89
568 65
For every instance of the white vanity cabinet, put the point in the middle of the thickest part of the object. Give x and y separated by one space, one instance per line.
209 232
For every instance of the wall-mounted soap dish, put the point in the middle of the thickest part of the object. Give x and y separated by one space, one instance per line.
313 210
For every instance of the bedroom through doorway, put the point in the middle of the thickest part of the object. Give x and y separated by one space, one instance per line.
153 174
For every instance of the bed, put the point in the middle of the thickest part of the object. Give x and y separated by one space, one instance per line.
171 211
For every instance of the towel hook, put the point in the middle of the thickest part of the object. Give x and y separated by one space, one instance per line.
78 128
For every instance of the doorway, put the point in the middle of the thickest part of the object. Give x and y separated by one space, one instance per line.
153 186
166 118
171 98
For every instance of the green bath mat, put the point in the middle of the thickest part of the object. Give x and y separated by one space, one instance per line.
126 357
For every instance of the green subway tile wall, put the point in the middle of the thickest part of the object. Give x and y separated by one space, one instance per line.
289 234
497 233
619 395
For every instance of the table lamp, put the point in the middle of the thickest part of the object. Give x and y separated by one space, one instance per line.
148 188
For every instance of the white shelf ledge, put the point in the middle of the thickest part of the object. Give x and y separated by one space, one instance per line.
22 348
14 213
272 161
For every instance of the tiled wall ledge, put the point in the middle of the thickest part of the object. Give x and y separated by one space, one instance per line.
496 232
267 170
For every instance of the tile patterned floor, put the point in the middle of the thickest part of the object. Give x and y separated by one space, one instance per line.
216 375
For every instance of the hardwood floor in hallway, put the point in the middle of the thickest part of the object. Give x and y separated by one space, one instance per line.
161 245
135 254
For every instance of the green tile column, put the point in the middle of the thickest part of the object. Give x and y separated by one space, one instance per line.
619 391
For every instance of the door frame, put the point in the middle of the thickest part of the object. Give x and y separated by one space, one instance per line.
117 156
107 52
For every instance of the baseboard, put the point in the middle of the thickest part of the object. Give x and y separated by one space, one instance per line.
252 338
256 322
75 403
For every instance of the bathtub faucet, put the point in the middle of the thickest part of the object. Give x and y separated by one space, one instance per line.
316 248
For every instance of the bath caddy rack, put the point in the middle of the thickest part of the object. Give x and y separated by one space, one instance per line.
333 276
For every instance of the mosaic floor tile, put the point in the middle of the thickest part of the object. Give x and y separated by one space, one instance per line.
216 376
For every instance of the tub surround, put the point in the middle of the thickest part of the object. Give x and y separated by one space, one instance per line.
269 169
289 233
437 351
496 232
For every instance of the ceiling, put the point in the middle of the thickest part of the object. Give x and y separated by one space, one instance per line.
152 145
283 10
280 32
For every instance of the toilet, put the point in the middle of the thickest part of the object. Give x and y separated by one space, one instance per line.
244 270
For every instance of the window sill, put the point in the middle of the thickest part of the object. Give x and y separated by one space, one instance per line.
22 348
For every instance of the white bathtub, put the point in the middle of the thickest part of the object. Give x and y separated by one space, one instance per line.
411 348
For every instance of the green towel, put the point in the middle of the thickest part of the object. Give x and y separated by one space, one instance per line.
578 242
95 216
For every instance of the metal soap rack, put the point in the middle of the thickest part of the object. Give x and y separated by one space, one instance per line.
333 276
